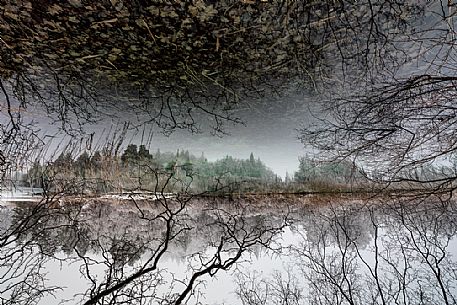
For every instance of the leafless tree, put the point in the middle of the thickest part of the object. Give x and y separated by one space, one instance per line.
174 63
121 249
400 118
406 261
281 288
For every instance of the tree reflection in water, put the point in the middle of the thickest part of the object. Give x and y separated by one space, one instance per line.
393 251
338 251
120 246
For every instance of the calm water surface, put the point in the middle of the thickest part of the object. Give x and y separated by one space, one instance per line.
288 250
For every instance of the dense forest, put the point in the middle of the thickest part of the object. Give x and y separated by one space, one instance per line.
139 169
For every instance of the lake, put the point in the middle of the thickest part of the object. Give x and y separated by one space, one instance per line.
20 194
250 250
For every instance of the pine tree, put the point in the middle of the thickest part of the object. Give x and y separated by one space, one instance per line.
64 160
143 153
288 179
187 156
130 153
251 158
96 161
82 163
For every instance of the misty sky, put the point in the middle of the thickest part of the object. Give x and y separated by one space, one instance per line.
269 132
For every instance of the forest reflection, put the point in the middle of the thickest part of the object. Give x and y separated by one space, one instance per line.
322 250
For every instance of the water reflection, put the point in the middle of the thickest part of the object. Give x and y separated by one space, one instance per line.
281 250
384 252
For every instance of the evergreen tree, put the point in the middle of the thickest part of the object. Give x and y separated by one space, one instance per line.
82 163
171 166
64 160
96 161
305 170
143 153
188 168
251 158
130 153
186 156
288 179
202 158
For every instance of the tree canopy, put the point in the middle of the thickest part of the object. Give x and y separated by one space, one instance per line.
171 62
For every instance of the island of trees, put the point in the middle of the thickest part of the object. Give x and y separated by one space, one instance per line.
138 169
